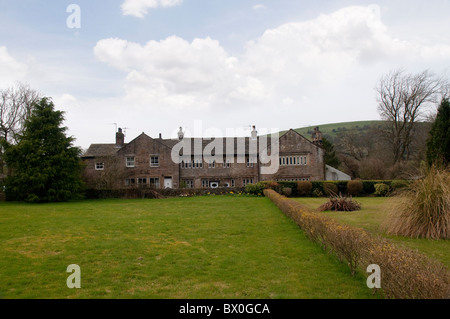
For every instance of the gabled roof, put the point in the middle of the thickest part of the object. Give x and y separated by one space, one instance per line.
99 150
295 132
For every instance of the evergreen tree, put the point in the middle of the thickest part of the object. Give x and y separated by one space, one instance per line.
438 146
330 157
43 165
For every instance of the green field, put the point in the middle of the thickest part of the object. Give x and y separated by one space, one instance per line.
371 218
200 247
334 129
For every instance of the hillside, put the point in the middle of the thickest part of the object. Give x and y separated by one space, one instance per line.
331 131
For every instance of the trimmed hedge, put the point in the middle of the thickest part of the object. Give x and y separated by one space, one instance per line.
291 189
405 274
133 193
317 186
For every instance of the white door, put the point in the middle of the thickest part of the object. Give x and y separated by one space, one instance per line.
168 182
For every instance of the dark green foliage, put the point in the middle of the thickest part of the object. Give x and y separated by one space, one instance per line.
330 157
43 165
255 189
330 188
438 146
399 185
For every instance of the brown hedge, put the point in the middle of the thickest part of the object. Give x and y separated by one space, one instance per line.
405 274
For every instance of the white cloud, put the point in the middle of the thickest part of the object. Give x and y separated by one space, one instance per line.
11 70
139 8
325 66
259 6
176 73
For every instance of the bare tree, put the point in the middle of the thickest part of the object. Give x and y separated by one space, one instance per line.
16 104
402 102
15 107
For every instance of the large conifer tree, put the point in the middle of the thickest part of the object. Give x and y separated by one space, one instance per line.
330 154
43 166
438 147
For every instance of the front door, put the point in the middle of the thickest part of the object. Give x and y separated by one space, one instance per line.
168 182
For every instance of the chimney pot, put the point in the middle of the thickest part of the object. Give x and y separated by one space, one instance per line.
254 133
180 134
120 138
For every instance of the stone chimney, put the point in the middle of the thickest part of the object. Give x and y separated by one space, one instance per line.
180 134
120 138
317 138
254 133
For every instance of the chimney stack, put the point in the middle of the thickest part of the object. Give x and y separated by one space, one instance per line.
317 137
254 133
120 138
180 134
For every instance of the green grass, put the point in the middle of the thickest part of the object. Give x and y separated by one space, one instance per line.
203 247
371 218
332 130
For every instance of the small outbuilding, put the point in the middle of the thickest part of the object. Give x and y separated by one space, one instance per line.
333 174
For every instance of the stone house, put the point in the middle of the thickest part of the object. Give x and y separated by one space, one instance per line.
202 162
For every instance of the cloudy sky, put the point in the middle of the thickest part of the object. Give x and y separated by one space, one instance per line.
155 65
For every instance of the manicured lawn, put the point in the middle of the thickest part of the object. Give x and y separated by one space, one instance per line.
204 247
371 218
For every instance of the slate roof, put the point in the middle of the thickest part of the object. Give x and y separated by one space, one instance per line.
99 150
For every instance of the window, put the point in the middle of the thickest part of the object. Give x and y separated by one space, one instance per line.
99 166
293 160
211 164
227 164
233 183
205 183
131 161
197 163
250 162
303 160
189 183
142 181
154 161
153 182
130 182
247 181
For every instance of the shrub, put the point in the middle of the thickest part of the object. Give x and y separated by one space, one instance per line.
399 185
287 191
330 189
423 210
381 189
270 185
317 193
255 189
340 204
304 188
354 188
